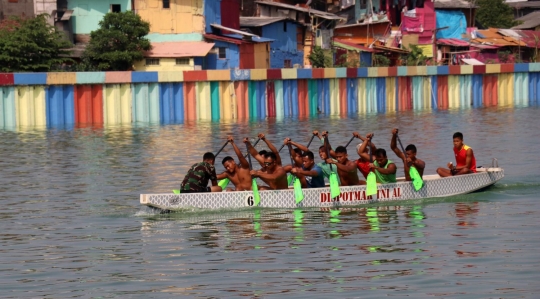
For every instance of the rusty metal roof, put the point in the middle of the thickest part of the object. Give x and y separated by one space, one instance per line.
452 4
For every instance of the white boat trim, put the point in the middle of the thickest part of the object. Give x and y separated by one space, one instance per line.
434 186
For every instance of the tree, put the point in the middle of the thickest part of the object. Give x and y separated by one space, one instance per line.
117 44
495 13
31 45
415 56
319 59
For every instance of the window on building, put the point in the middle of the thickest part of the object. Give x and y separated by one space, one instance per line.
166 3
222 52
284 26
116 8
299 38
152 61
287 63
182 61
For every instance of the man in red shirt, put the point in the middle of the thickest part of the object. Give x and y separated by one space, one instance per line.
466 163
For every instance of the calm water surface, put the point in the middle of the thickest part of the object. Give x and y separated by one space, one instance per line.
72 226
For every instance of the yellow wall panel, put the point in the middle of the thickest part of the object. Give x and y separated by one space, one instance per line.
466 69
262 55
117 104
67 78
289 73
493 68
179 18
227 103
258 74
30 106
453 92
218 75
334 97
329 73
204 107
171 76
390 94
362 96
506 89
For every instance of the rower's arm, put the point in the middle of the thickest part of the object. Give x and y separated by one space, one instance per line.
303 148
253 152
361 150
391 169
468 160
419 164
393 146
349 167
222 176
243 161
330 150
287 168
273 176
311 173
273 149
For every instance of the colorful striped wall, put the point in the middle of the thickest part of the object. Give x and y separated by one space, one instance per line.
110 98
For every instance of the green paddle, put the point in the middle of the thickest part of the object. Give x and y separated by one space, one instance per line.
298 194
416 178
334 184
254 187
371 179
177 191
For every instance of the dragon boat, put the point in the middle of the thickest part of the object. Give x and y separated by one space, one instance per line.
434 186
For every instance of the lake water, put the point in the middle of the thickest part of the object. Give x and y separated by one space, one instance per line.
72 226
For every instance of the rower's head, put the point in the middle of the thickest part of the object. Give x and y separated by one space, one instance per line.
341 154
458 140
297 153
270 161
410 151
322 152
229 164
366 149
263 152
308 160
380 157
209 157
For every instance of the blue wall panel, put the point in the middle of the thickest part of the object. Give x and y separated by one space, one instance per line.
352 96
171 103
381 95
304 74
294 97
434 87
362 72
60 106
214 96
326 96
287 103
142 77
261 99
477 88
30 79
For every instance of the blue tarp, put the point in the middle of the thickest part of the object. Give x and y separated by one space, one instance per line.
456 22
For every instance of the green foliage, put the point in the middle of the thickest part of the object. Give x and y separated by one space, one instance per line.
31 45
415 56
381 60
319 59
346 60
504 56
495 13
117 44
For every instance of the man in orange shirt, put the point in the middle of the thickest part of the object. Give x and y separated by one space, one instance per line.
466 163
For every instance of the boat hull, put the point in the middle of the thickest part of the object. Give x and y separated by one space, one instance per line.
434 186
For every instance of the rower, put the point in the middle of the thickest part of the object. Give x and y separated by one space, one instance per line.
297 154
197 177
310 174
272 173
239 175
409 157
346 168
364 160
465 160
385 170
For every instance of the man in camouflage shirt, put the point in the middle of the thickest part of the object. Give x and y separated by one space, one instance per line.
199 174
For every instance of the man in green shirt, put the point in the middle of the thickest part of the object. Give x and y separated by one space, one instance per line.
196 180
385 170
325 166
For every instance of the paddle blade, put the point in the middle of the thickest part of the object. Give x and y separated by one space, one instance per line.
418 183
223 183
289 179
298 194
334 185
255 189
176 191
371 188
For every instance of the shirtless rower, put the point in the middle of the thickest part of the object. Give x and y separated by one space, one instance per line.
239 174
297 154
465 160
409 157
346 168
272 174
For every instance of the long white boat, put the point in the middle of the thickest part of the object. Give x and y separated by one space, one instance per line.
434 186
